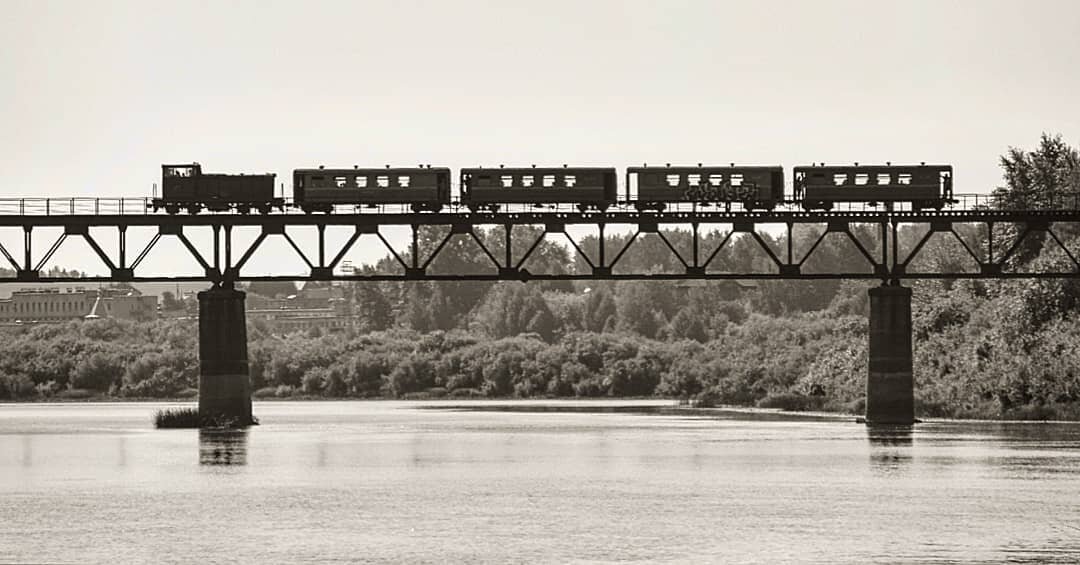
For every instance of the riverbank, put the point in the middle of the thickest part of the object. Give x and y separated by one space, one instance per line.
649 405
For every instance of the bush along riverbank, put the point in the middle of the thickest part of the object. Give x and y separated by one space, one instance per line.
968 362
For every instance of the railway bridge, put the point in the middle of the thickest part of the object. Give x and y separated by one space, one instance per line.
224 385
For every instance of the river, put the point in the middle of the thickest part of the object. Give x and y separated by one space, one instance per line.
534 482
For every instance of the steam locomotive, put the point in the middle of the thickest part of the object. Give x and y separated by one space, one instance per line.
427 189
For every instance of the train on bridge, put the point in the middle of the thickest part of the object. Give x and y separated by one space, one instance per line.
428 189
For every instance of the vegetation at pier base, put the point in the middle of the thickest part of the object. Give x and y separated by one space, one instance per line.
190 418
177 418
986 348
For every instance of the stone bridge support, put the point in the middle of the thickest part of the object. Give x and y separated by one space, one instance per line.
224 383
890 387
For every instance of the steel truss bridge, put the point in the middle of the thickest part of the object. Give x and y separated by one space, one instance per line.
223 263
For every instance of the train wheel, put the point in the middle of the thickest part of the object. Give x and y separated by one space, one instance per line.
417 208
265 209
172 210
194 209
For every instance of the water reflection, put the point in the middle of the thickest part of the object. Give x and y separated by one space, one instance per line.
223 447
890 446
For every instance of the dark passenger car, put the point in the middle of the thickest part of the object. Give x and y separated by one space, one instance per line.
318 190
924 186
753 187
588 187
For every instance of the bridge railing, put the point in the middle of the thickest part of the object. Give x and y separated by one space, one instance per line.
140 206
87 206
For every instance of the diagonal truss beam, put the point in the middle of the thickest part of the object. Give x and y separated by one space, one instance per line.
194 252
967 247
1015 245
10 259
345 249
51 252
531 249
296 248
625 248
580 251
251 251
1063 248
915 250
768 250
862 249
716 251
100 253
673 250
484 248
438 250
391 249
146 251
813 247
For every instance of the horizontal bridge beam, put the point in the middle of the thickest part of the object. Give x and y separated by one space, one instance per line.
524 275
369 222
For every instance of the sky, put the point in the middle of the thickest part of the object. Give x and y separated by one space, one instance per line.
99 94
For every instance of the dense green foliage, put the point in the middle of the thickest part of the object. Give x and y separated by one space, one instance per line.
983 349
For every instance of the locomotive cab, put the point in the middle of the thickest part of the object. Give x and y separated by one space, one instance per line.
185 186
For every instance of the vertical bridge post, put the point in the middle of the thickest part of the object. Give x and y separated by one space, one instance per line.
890 386
224 384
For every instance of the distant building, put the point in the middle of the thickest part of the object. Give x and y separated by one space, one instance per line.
322 307
45 305
289 320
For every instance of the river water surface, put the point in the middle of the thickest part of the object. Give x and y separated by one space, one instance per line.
399 482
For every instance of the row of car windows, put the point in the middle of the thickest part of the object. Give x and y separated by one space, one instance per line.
569 181
865 179
405 181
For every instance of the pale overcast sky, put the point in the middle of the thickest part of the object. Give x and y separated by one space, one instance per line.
99 94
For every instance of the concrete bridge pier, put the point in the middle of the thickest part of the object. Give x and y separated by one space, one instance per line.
890 387
224 383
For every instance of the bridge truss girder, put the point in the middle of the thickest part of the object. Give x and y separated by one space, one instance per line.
224 264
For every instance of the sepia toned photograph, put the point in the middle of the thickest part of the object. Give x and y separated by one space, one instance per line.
560 282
